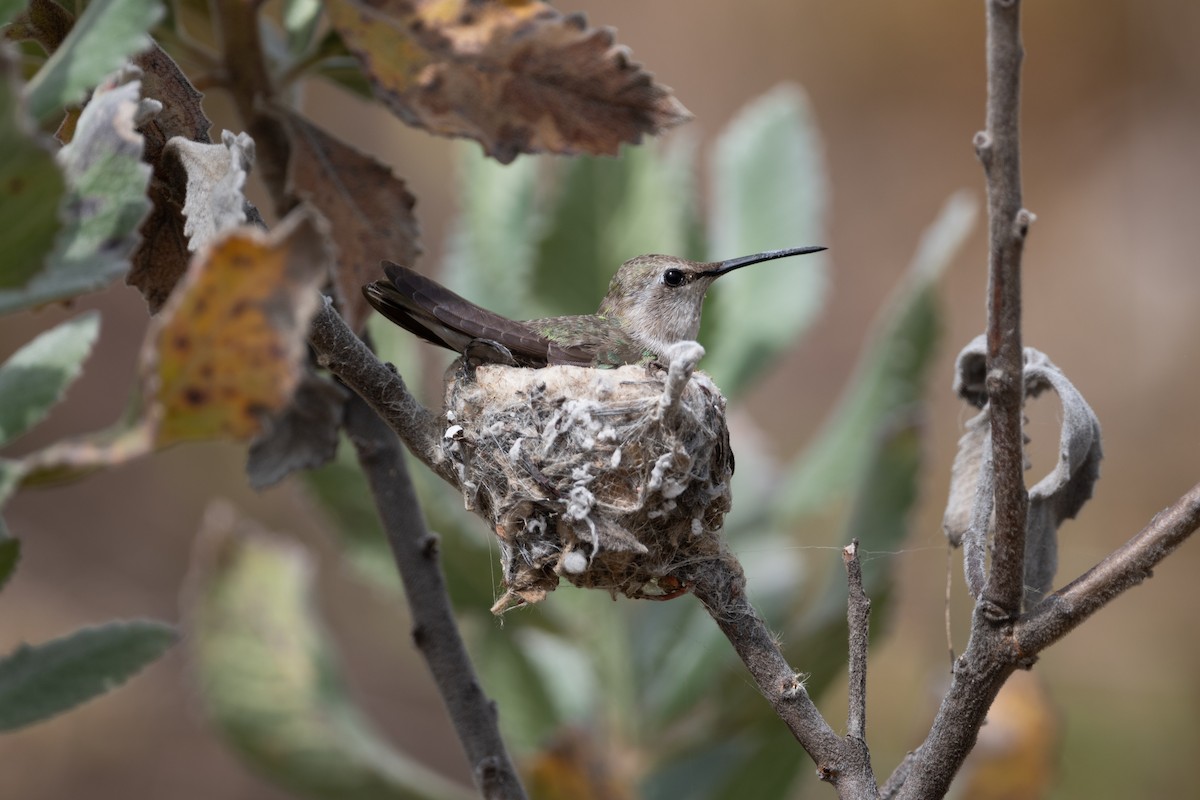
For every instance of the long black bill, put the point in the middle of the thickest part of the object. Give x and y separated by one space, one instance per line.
721 267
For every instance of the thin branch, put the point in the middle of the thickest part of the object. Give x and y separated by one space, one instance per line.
434 632
842 762
858 619
999 150
1063 611
345 355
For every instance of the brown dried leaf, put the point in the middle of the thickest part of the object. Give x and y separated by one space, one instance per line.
163 256
518 76
228 350
369 208
181 114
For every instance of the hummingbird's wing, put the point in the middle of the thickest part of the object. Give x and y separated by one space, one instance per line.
440 316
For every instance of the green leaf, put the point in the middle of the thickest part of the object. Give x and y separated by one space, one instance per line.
11 473
489 256
105 202
514 678
300 20
10 8
769 191
344 71
607 212
890 375
678 654
10 554
31 187
41 681
38 374
105 34
696 772
768 770
658 212
269 678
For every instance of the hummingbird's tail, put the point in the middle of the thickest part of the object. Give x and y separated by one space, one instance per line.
439 316
408 299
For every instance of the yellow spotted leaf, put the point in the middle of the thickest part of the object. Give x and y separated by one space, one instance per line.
226 352
518 76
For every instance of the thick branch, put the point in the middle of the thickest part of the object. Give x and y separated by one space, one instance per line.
999 151
842 762
978 675
434 629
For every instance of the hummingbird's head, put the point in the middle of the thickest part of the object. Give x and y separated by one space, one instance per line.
657 299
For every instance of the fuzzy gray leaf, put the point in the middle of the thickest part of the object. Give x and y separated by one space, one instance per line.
968 517
1060 495
216 177
1057 497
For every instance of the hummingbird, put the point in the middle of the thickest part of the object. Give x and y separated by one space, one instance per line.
652 302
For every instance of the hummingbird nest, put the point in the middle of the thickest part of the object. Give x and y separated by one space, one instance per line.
615 479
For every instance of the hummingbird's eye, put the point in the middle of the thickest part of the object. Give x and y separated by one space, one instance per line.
673 277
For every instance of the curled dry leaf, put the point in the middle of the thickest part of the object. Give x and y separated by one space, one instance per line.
162 256
228 350
518 76
216 177
303 436
369 209
1057 497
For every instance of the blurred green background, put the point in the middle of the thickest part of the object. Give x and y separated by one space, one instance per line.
1110 121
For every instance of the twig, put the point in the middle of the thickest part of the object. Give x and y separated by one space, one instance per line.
858 619
842 762
998 149
345 355
435 632
1061 612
